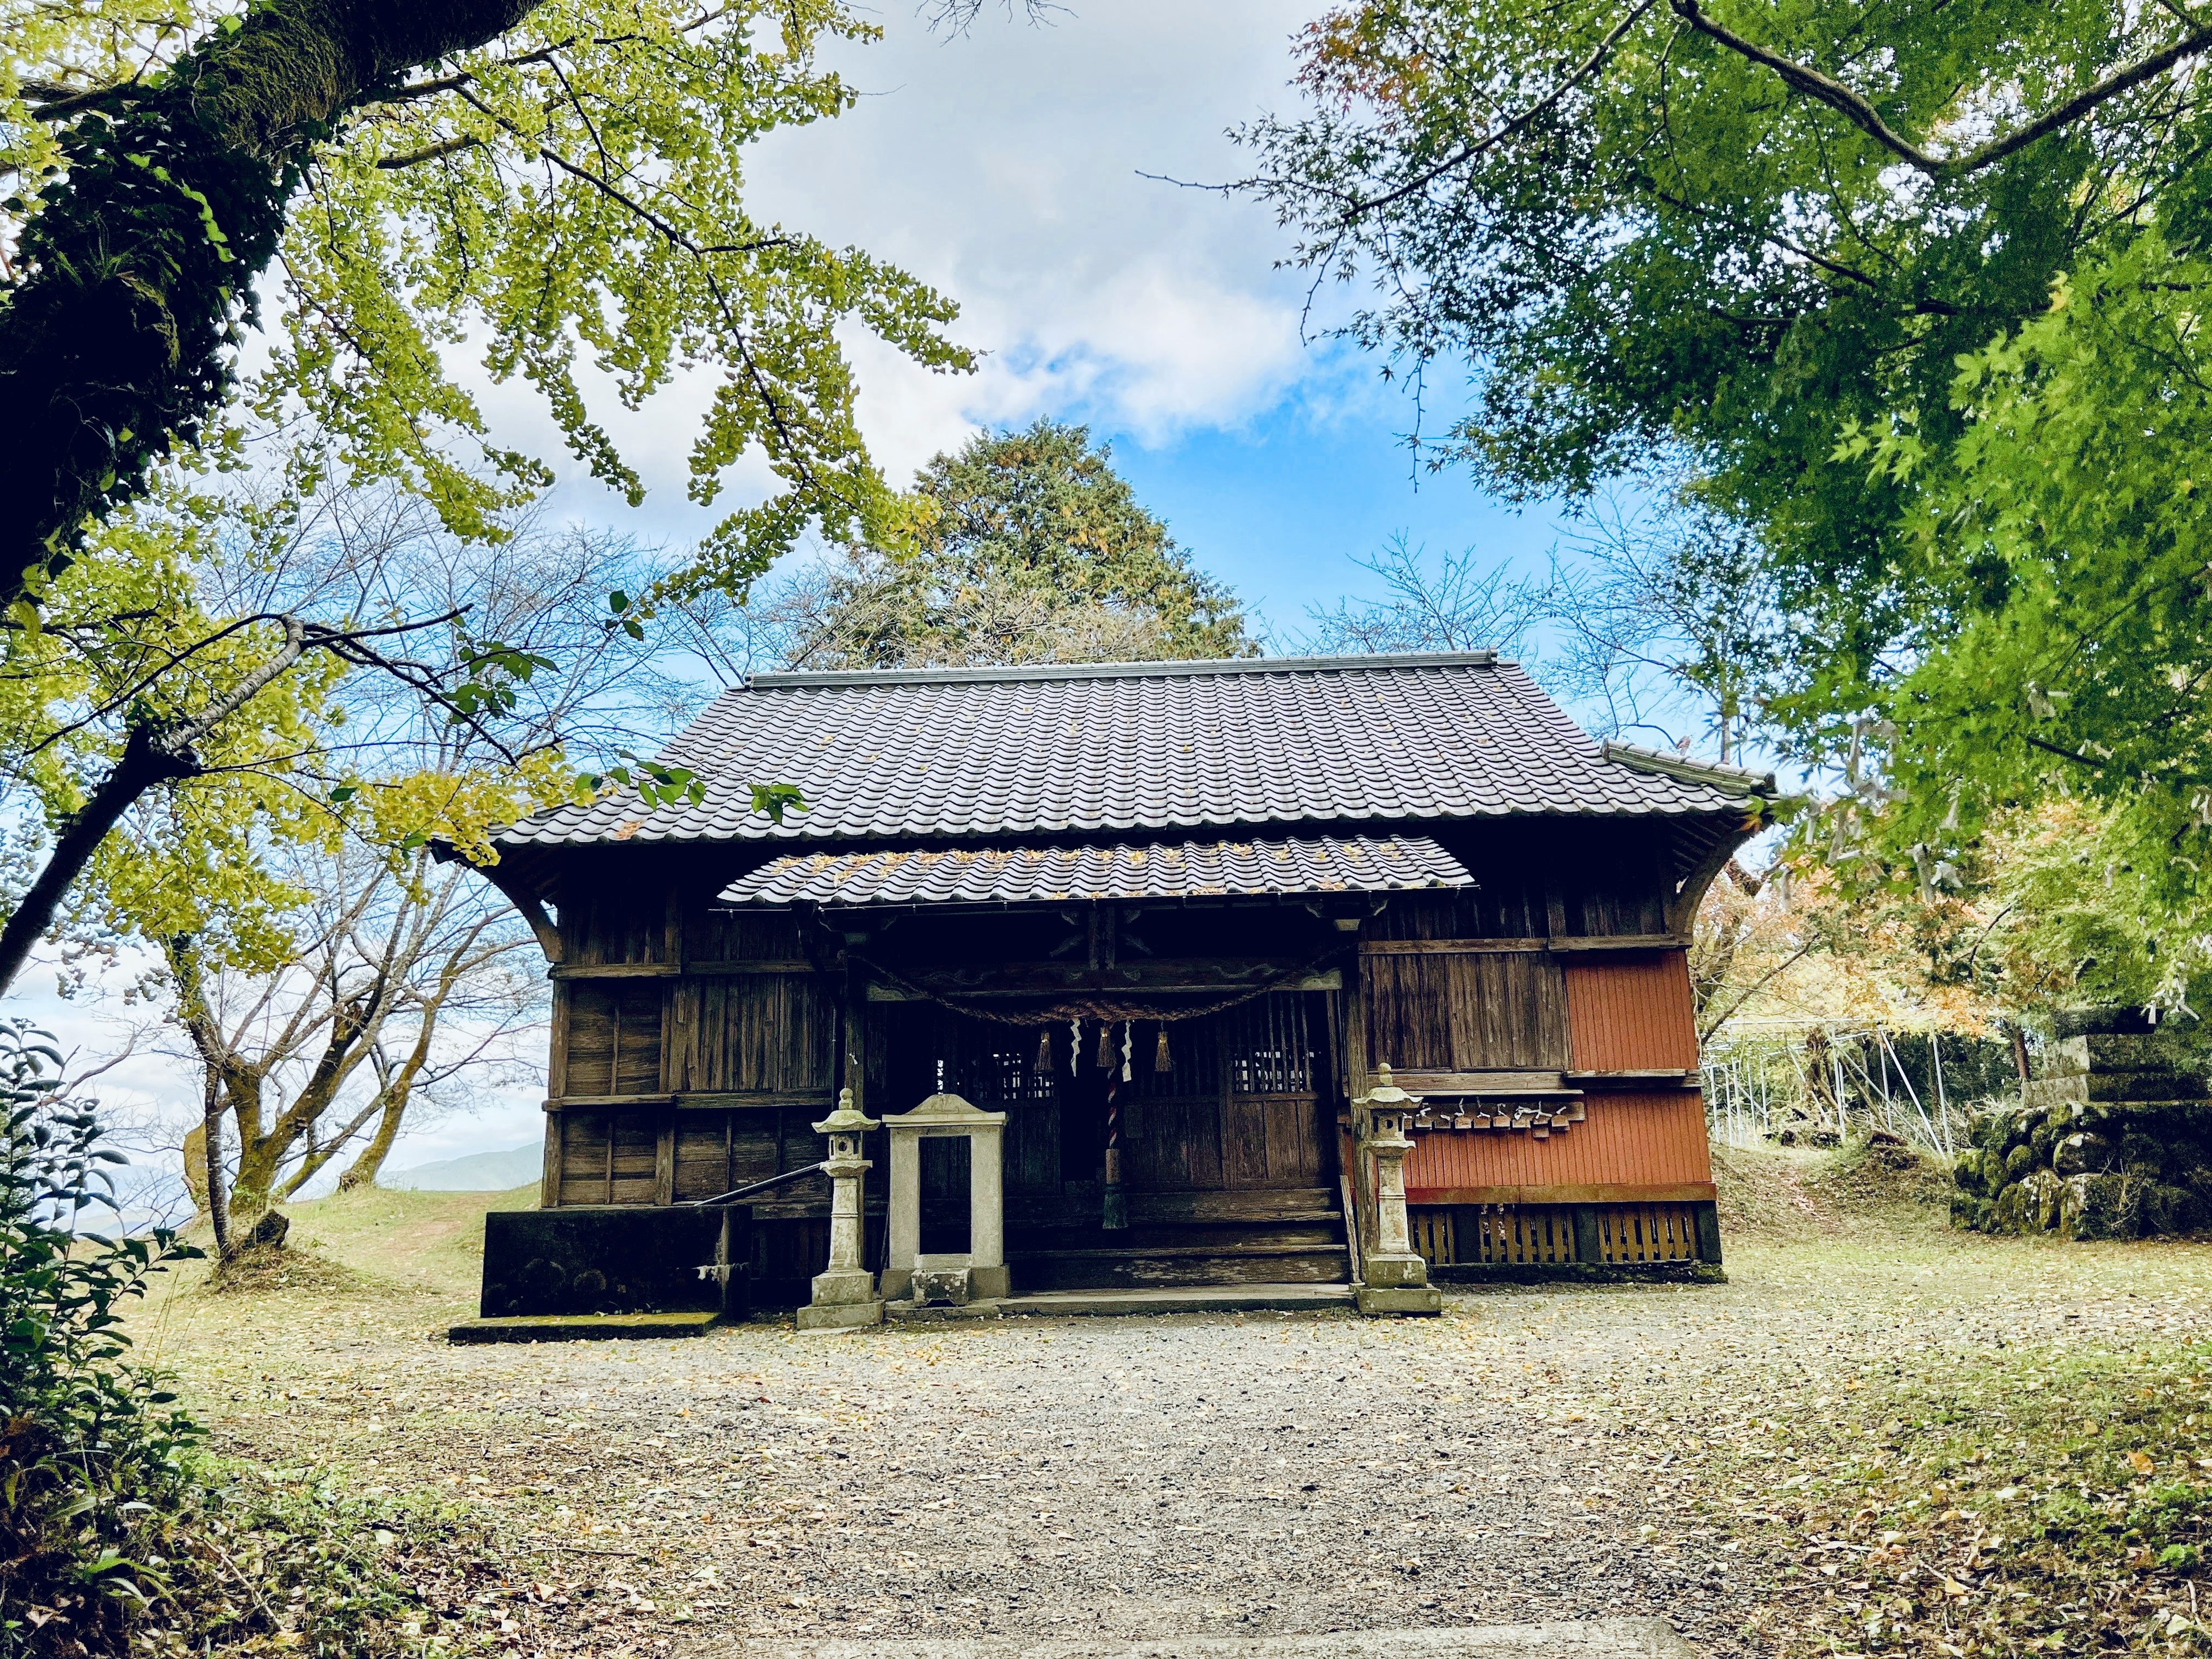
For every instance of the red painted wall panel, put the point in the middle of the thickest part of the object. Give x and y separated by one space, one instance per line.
1629 1139
1632 1014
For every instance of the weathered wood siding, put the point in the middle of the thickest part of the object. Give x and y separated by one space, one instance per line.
613 1029
615 921
1632 1014
754 1032
611 1158
1465 1011
1652 1139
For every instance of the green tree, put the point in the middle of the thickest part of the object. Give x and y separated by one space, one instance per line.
552 184
1031 548
1911 296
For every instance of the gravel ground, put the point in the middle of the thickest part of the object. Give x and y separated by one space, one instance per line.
1533 1455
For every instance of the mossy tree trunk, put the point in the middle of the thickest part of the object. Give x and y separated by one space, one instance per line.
138 263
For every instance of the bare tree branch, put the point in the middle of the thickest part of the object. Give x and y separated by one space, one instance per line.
1862 114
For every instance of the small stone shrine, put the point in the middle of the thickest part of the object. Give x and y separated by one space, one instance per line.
2113 1141
966 1284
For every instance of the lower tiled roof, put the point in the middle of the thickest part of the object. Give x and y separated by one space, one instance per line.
1034 875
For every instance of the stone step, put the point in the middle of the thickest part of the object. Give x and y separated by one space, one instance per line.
1139 1269
580 1327
1194 1298
1317 1230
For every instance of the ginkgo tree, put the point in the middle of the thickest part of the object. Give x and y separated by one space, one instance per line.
554 192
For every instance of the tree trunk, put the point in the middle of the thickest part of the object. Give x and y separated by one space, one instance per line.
218 1205
146 761
2020 1051
361 1172
117 342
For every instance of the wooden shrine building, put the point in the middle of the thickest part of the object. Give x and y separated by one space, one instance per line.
1169 919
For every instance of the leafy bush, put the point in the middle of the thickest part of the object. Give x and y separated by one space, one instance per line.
92 1447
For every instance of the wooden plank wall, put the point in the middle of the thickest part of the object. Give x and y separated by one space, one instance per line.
1476 1010
747 1032
614 922
1632 1014
1628 1138
613 1030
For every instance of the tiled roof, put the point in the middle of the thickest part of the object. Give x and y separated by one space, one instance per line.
970 753
1212 869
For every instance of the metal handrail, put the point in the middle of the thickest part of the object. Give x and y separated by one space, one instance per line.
757 1187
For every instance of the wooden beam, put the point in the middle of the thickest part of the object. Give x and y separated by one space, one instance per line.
1450 947
739 1100
762 965
614 970
532 908
1466 947
1484 1083
1691 1192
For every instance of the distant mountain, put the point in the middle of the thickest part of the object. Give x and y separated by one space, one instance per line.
479 1172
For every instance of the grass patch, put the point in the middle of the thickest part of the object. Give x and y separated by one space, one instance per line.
278 1560
1794 1193
2041 1500
266 1269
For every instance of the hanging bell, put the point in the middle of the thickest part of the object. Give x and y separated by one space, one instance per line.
1044 1050
1162 1060
1105 1045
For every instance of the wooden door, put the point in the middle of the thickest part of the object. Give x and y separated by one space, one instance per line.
1241 1106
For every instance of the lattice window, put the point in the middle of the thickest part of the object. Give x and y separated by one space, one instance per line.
1539 1235
1434 1239
1193 1059
1270 1051
1648 1233
1002 1075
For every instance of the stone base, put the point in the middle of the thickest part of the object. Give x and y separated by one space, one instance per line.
1396 1271
910 1312
989 1284
844 1285
840 1315
1378 1300
950 1286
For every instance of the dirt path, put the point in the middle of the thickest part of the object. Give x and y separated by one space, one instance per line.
1533 1455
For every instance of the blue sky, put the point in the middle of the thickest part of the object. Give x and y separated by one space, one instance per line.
1007 168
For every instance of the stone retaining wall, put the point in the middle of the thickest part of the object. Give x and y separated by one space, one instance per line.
2110 1142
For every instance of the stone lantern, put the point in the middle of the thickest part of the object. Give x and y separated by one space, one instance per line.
845 1291
1397 1278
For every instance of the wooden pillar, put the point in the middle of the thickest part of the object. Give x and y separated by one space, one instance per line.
1589 1247
1358 1174
664 1160
549 1182
1709 1233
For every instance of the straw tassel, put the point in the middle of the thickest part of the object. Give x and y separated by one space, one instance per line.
1162 1060
1105 1045
1044 1050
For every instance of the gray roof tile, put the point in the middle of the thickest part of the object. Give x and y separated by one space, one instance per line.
1324 863
952 753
